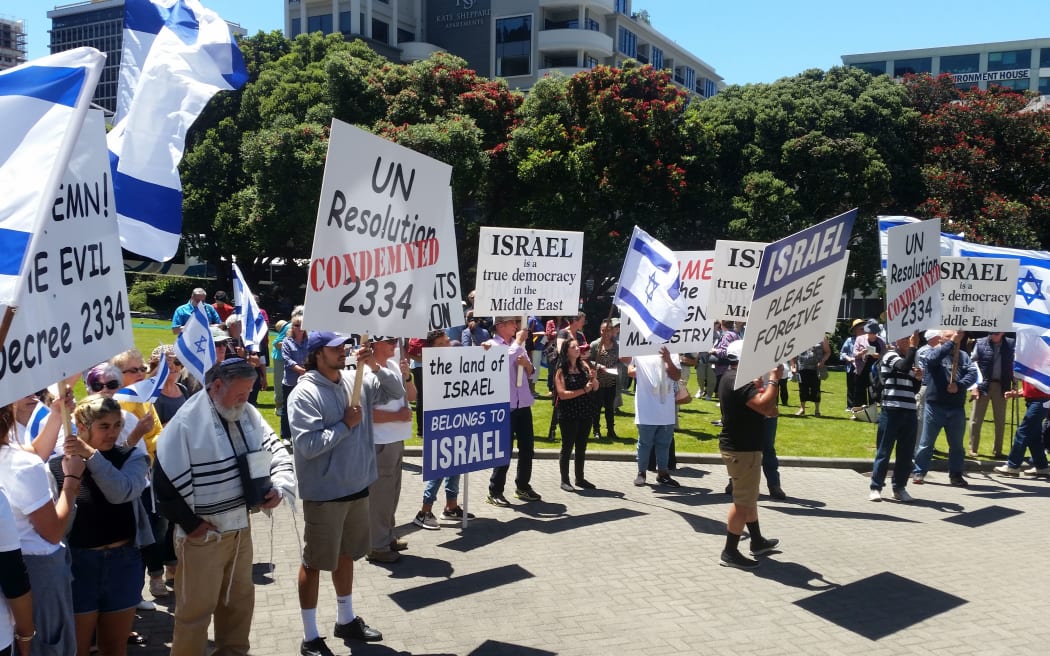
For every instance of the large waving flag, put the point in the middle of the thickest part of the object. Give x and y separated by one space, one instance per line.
255 327
1032 359
649 290
176 56
1032 304
147 390
195 347
42 106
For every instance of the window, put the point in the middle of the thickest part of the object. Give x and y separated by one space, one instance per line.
1044 58
321 23
297 28
590 62
380 31
874 68
710 88
1010 60
627 43
1016 85
657 58
902 67
961 63
621 6
345 22
404 36
689 77
514 46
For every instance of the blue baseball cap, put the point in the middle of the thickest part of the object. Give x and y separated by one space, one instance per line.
320 339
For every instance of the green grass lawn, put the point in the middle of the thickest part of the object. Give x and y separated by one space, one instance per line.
832 436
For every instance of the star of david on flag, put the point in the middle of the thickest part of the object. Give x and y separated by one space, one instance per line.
194 346
255 327
649 291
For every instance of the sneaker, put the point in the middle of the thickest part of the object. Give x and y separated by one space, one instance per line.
567 486
902 496
1041 471
382 556
146 605
455 513
698 395
716 422
639 480
918 479
528 494
737 560
1007 470
315 647
957 481
875 495
426 520
398 544
801 412
356 629
584 484
498 500
157 587
763 546
668 481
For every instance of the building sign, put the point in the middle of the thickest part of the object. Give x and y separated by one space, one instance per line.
463 27
991 76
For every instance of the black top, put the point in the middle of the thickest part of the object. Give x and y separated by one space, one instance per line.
167 406
742 427
98 522
580 407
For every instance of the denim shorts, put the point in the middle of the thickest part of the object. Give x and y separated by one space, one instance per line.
106 580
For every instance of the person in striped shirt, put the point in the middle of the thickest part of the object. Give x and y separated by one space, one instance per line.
897 422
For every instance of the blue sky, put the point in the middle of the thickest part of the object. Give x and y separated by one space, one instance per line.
744 40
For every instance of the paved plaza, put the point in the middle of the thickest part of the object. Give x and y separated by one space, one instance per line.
626 570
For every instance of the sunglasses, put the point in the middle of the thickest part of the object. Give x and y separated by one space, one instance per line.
136 370
98 387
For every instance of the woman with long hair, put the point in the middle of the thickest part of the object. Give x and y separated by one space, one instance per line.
573 383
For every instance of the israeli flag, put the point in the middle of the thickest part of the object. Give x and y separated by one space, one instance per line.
255 328
1032 359
649 291
176 56
195 347
147 390
886 222
42 106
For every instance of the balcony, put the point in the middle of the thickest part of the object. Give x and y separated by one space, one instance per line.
417 50
560 40
567 71
601 7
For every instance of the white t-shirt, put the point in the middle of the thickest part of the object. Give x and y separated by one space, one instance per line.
28 484
392 431
8 542
654 392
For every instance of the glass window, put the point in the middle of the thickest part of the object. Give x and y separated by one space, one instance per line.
1044 58
322 23
621 6
875 67
380 31
690 78
961 63
710 88
590 62
1016 85
514 46
627 43
1044 86
1009 60
344 22
657 59
297 27
902 67
404 36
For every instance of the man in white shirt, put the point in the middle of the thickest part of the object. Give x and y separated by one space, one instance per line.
654 410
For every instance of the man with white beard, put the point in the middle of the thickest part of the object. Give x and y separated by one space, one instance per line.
216 434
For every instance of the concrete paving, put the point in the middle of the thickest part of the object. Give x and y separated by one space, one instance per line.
629 570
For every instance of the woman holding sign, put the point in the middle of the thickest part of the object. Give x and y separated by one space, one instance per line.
573 382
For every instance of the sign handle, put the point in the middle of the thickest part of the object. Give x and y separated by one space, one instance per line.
359 375
63 389
5 323
466 498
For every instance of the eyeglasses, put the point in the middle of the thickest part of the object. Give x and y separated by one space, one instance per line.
99 386
136 370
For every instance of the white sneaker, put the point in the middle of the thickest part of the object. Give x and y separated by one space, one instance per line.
698 395
875 495
1007 470
902 496
1045 471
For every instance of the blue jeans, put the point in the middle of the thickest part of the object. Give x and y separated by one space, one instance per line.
430 492
953 420
1029 435
770 462
896 426
658 436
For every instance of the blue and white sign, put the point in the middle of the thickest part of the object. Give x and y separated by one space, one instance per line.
466 416
795 291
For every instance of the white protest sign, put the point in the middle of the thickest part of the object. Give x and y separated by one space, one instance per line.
447 308
75 312
522 271
695 274
466 417
794 295
978 293
836 278
736 268
913 276
374 263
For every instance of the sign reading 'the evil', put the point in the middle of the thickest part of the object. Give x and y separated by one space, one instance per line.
978 293
466 418
522 271
913 275
736 268
696 274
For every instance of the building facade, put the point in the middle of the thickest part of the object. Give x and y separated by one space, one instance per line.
518 40
1019 65
13 48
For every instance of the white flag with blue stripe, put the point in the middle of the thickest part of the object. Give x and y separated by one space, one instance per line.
1032 359
176 56
194 347
886 222
1032 303
147 390
649 291
42 106
255 327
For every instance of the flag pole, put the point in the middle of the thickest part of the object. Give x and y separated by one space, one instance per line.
359 375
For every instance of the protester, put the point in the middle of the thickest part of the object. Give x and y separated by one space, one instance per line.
807 366
37 426
222 308
900 384
173 394
847 358
574 382
521 401
109 528
604 358
476 333
994 357
391 426
770 460
183 313
654 411
705 371
215 434
282 327
1029 435
744 415
721 350
16 602
42 523
949 373
335 461
867 350
131 365
535 343
293 351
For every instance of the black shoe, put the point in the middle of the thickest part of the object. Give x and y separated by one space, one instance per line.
498 500
455 513
356 629
528 494
315 647
957 481
668 481
763 546
729 487
737 560
777 493
584 484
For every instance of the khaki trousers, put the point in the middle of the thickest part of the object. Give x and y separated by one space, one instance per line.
384 494
980 407
214 578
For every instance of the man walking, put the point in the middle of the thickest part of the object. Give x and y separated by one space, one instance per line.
994 357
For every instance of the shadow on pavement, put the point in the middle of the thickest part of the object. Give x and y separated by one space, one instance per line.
482 532
838 514
493 648
410 567
446 589
983 516
704 525
794 575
